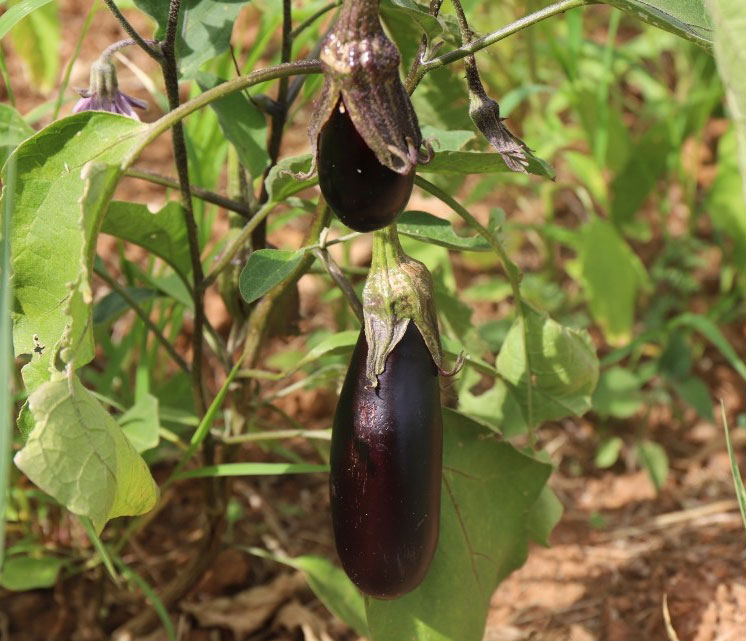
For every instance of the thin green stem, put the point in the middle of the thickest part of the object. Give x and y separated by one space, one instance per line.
323 435
500 34
313 18
240 240
413 77
303 67
511 273
116 287
203 194
6 79
341 281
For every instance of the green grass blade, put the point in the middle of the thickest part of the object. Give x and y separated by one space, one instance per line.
6 347
17 13
100 548
150 595
252 469
737 481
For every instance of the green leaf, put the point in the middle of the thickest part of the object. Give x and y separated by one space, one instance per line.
729 17
79 455
13 130
140 423
654 459
339 343
251 469
431 229
563 368
163 233
36 39
685 18
242 123
544 516
608 452
477 162
21 573
444 140
612 276
52 249
205 28
695 393
265 269
618 393
415 12
334 590
281 181
712 333
18 12
488 490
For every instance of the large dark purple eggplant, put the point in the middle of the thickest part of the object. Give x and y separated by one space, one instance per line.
364 194
386 462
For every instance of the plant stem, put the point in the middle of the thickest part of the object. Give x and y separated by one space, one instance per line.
277 122
151 51
303 67
121 44
313 18
204 194
341 280
413 77
171 79
273 435
240 240
500 34
511 273
116 287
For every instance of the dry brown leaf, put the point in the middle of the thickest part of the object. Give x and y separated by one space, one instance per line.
295 615
247 611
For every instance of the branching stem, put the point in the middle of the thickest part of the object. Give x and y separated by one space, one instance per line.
147 46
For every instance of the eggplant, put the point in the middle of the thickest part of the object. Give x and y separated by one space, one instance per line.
363 193
386 466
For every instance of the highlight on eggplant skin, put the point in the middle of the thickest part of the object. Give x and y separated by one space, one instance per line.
386 466
363 193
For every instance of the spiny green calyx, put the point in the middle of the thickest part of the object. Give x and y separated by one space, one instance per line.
399 289
361 68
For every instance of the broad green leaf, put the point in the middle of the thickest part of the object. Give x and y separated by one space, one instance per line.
544 516
488 491
163 233
13 130
654 459
477 162
112 306
685 18
282 182
695 393
243 125
52 250
431 229
612 276
18 12
729 17
563 368
444 140
205 28
265 269
79 455
36 38
618 393
21 573
140 423
415 12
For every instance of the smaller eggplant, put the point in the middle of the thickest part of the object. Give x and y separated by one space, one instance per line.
386 460
363 193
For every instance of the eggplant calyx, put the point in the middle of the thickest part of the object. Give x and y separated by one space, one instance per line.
399 289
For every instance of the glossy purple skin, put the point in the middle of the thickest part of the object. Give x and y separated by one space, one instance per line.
364 194
386 462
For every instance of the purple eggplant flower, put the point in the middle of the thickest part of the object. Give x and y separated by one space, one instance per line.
104 95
